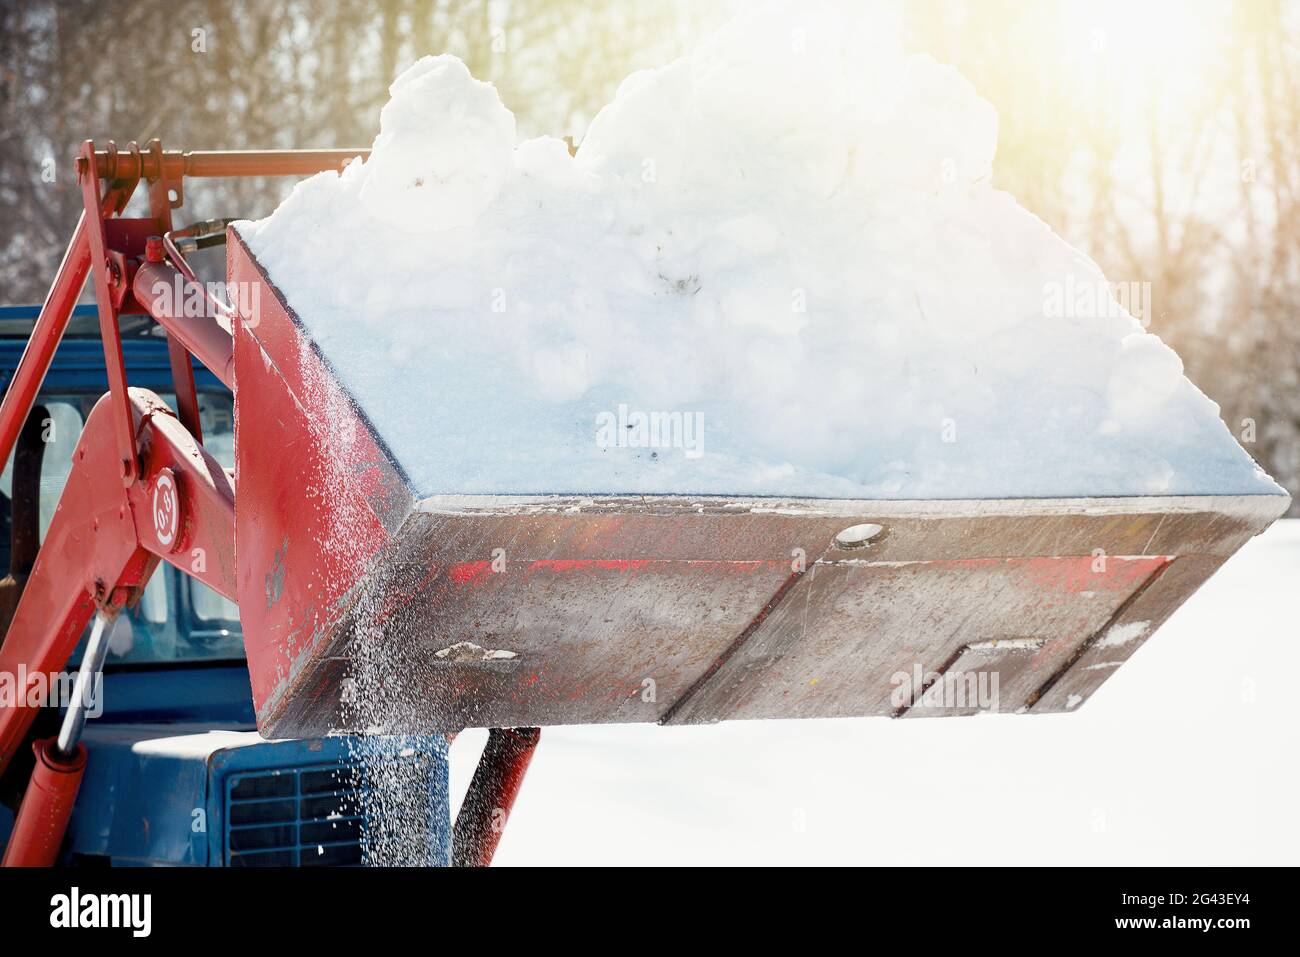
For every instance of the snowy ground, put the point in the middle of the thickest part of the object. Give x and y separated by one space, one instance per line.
1186 756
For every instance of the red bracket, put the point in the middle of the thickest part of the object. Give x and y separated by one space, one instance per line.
106 280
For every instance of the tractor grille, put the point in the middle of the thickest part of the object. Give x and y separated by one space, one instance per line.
295 817
315 816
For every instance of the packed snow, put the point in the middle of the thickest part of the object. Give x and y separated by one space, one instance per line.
777 266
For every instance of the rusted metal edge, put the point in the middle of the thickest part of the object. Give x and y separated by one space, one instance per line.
1264 506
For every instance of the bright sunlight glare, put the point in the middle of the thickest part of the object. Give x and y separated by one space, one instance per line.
1146 51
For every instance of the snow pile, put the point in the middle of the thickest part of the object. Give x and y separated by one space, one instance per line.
776 266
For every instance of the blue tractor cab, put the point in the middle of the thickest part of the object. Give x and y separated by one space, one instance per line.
177 773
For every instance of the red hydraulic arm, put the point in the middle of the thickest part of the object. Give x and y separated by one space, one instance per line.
142 488
136 467
115 175
43 817
491 795
105 540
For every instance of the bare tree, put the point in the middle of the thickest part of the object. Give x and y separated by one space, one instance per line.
231 74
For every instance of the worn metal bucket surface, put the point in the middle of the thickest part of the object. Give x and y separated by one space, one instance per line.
364 606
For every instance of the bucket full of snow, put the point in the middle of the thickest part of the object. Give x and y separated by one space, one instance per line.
764 404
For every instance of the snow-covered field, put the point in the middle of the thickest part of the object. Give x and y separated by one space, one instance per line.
1187 755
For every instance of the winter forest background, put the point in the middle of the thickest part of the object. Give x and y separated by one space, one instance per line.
1163 139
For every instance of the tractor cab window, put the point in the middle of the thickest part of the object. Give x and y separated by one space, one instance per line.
177 618
60 431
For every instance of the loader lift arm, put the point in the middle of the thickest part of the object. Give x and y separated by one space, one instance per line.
142 488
